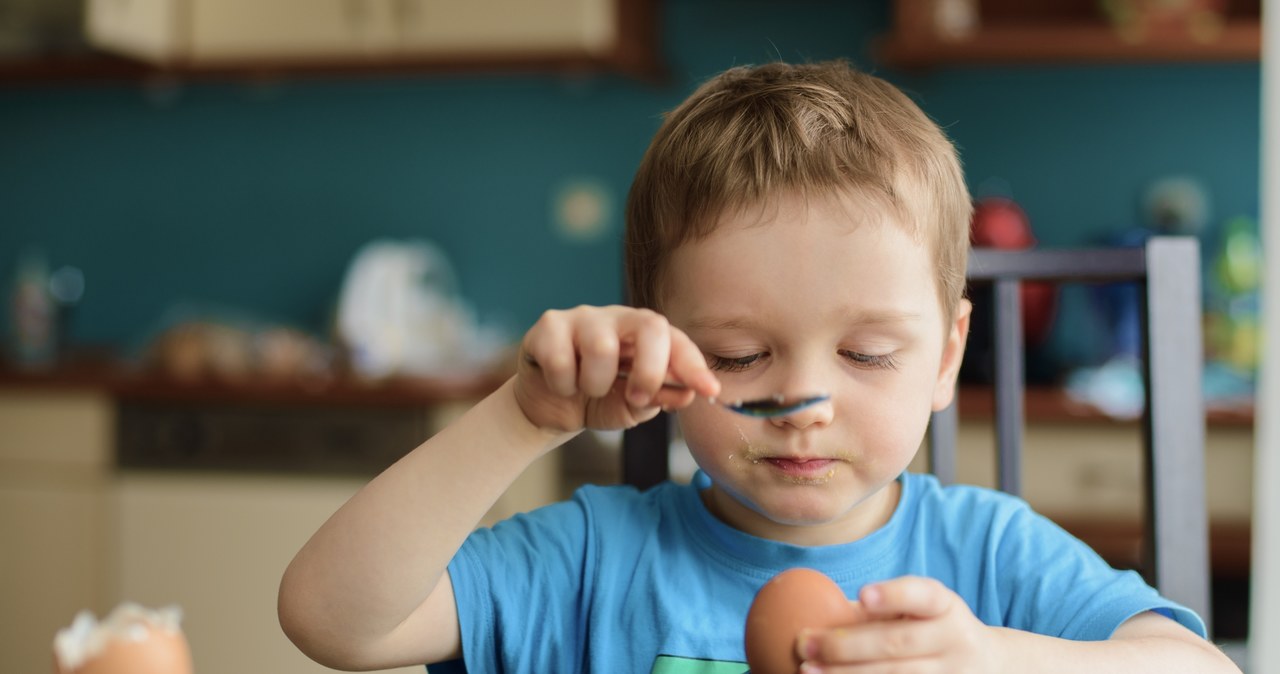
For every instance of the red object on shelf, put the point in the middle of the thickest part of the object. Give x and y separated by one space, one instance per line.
999 222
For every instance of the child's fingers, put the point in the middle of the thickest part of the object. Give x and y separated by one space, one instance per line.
549 345
910 596
579 351
650 337
597 347
876 641
690 366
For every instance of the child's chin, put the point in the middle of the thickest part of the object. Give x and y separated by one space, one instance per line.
802 514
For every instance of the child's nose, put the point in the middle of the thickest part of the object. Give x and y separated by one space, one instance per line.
817 414
805 373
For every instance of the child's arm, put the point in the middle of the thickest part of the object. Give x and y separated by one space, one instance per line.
917 624
369 590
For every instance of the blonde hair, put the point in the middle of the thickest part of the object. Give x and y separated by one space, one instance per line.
752 133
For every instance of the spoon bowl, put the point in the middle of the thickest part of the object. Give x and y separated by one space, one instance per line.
777 405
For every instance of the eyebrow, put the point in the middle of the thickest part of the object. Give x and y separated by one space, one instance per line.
857 318
720 323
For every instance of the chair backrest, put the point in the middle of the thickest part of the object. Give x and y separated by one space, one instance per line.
1175 556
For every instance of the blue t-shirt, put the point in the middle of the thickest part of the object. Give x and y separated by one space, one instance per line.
617 580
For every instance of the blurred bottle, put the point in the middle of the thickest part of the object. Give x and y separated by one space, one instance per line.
33 316
66 286
1234 334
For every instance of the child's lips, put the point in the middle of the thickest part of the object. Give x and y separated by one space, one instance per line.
801 467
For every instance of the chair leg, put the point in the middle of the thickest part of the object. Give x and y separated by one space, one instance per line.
1009 383
645 451
1175 475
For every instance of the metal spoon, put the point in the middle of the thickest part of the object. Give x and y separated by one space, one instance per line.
776 405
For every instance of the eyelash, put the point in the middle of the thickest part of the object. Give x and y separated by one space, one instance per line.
862 360
882 362
722 364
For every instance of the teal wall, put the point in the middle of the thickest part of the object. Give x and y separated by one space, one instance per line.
256 195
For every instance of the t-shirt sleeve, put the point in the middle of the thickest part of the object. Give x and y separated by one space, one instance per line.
1057 585
517 587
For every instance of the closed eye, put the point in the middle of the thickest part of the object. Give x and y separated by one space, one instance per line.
871 362
723 364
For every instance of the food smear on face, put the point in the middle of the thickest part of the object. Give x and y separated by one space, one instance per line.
812 471
750 452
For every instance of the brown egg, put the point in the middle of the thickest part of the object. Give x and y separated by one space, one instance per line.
793 600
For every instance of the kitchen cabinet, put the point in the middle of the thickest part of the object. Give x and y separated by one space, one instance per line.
54 526
241 30
288 35
939 33
468 26
216 545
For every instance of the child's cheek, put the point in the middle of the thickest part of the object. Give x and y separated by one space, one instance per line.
717 439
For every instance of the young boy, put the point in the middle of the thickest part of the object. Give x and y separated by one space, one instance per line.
795 230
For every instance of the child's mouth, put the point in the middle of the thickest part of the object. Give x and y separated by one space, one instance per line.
803 468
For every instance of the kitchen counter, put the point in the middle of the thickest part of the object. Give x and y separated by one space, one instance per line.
125 382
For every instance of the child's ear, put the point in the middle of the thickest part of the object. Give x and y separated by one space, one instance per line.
952 353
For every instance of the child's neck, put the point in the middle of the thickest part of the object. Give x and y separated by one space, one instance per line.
866 518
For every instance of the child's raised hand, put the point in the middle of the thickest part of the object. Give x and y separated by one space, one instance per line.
568 373
910 624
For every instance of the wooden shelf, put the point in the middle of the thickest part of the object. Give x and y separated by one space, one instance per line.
1047 404
65 68
1063 32
1239 41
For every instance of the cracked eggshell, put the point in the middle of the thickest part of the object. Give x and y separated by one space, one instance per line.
132 640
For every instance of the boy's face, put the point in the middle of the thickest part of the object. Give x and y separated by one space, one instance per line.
809 301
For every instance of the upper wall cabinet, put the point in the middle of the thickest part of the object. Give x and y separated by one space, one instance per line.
441 34
932 33
239 31
467 26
